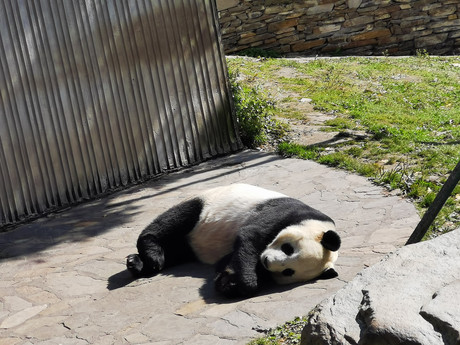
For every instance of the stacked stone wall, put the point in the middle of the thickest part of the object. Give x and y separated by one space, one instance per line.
343 27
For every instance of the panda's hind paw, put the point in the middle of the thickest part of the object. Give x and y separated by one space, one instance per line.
225 284
230 284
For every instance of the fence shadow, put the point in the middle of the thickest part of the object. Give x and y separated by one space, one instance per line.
96 217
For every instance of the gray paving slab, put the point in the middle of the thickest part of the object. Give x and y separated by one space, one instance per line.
63 278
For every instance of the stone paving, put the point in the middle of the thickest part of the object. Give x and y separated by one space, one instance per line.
63 278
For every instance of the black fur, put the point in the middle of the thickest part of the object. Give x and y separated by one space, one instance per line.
242 272
331 241
328 274
164 242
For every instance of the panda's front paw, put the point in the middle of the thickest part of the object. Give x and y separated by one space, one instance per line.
147 267
134 264
231 284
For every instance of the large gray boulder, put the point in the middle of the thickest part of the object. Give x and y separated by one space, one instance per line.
410 297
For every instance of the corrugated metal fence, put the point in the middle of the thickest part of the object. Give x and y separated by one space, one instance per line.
97 94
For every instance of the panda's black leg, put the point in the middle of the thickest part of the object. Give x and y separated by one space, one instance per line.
237 273
163 242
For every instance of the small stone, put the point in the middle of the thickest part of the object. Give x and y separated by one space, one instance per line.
226 4
430 40
277 26
354 3
320 9
371 34
327 28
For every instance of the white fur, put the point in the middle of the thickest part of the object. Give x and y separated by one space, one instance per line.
309 258
225 210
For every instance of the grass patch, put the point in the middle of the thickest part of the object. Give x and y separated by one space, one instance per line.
254 112
409 106
289 333
339 159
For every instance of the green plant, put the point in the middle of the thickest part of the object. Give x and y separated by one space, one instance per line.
422 53
254 112
287 334
287 149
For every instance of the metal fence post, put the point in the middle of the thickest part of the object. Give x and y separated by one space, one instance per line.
436 206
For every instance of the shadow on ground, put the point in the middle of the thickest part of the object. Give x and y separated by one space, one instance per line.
95 217
196 270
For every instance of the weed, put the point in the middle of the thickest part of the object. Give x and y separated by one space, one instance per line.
287 149
289 333
254 112
422 53
355 151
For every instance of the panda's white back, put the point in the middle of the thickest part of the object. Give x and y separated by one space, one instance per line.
225 209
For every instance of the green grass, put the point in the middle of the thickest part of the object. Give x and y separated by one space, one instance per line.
289 333
410 107
254 113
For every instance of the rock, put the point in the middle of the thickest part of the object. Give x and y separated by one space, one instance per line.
371 34
226 4
430 40
324 8
354 3
443 314
276 26
410 297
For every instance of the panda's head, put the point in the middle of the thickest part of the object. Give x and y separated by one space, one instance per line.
302 252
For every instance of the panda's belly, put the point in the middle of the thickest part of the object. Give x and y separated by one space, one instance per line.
211 241
225 210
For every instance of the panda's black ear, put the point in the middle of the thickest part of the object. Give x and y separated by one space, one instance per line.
328 274
331 240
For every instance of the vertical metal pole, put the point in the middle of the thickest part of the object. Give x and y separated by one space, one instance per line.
436 206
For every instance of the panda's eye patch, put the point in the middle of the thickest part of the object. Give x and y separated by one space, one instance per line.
287 249
288 272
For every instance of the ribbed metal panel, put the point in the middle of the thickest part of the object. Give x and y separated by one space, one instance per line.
98 94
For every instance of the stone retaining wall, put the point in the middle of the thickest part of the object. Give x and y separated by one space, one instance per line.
342 27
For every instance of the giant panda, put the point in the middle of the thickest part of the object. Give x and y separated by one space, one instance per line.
248 232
